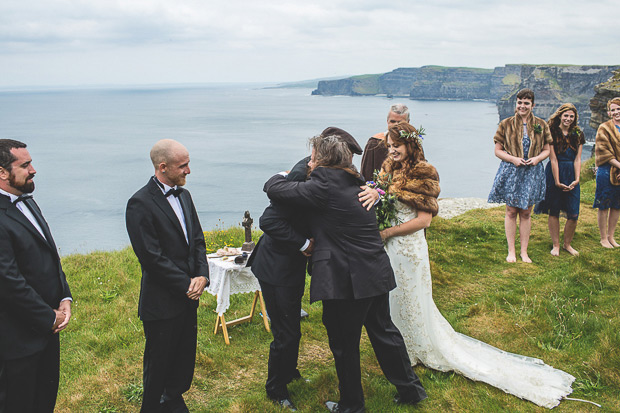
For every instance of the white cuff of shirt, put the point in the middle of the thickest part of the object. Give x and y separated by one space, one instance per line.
283 173
306 245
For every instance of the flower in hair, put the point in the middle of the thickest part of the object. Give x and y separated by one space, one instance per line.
416 134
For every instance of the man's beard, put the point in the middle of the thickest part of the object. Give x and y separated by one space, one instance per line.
25 188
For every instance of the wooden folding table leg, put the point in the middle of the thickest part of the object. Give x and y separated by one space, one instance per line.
263 310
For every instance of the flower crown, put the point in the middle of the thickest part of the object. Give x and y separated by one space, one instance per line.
417 134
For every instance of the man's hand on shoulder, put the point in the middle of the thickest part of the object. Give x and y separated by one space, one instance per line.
196 287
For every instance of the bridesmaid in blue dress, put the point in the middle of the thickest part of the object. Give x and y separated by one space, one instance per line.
607 154
562 172
522 143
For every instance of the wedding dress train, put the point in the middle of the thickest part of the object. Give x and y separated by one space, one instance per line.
432 341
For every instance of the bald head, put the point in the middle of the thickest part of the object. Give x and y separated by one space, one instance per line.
165 151
171 162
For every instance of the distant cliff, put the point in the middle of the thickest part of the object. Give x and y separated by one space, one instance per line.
602 94
552 84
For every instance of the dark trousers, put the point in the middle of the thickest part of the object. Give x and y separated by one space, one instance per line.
169 360
343 320
30 384
284 307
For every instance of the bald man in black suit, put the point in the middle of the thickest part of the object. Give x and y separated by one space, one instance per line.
167 238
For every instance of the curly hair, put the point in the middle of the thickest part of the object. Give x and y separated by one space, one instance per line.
332 152
404 134
575 135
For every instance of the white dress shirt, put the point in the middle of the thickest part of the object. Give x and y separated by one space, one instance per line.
176 207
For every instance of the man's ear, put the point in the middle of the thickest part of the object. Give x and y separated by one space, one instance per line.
4 174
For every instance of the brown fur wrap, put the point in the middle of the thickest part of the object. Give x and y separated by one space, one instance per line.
416 186
607 143
510 135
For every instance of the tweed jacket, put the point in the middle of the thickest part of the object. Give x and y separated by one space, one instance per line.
607 143
510 135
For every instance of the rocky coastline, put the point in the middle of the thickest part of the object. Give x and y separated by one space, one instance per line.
452 207
552 84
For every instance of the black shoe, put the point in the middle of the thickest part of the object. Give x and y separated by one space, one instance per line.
410 402
334 407
286 403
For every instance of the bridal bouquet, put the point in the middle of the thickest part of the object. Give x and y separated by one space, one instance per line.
386 207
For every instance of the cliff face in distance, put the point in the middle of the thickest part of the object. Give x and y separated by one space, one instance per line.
553 85
602 94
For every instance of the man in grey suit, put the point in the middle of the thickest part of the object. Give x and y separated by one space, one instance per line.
351 272
35 300
167 238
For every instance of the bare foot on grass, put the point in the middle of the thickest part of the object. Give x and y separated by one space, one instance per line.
525 258
511 258
613 243
572 251
555 251
606 244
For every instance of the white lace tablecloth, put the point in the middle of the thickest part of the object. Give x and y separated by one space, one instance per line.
228 278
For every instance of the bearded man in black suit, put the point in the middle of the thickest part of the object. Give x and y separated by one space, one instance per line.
167 238
351 272
279 263
35 300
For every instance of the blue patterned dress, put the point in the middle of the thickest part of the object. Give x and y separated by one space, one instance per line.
606 195
557 200
519 187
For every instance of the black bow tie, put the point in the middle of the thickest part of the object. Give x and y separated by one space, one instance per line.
174 191
22 197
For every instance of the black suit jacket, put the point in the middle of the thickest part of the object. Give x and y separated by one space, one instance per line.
32 283
349 260
276 259
168 262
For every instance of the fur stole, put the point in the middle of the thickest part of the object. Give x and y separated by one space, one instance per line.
607 143
510 135
416 186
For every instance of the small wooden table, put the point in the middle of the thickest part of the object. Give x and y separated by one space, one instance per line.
228 278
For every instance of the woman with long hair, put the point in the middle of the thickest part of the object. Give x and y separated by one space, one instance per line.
562 177
429 338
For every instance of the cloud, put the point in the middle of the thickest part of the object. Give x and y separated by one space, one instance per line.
192 40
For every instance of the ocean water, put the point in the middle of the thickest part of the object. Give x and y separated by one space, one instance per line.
91 147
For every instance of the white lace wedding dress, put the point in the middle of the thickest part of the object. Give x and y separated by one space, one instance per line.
433 342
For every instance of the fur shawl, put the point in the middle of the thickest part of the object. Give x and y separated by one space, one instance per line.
607 143
417 187
510 135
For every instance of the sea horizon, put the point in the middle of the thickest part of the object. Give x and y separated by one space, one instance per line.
90 146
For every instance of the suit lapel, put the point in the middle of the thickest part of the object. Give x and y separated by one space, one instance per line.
161 201
15 214
184 200
36 211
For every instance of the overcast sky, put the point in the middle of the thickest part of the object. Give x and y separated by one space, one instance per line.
89 42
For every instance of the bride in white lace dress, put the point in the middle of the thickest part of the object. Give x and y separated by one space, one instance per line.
430 339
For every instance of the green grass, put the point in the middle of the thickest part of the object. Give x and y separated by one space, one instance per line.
563 310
